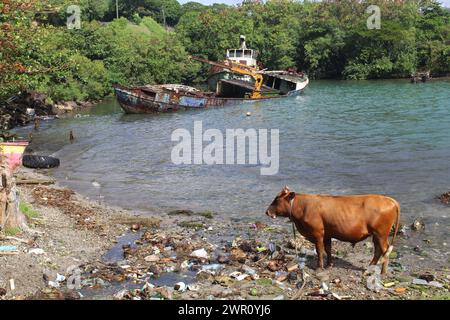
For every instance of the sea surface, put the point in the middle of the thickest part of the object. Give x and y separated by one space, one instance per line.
338 137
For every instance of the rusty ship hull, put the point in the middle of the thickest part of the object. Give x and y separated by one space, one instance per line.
171 98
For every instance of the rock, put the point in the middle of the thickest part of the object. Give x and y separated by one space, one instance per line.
273 265
2 292
426 277
204 276
292 277
223 280
281 276
199 254
292 266
246 246
152 258
154 269
306 252
435 284
223 258
418 225
238 255
445 198
248 270
193 287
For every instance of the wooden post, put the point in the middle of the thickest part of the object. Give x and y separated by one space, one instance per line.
10 215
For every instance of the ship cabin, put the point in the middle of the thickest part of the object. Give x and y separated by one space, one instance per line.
243 55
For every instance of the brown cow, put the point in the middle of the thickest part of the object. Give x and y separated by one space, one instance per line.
350 218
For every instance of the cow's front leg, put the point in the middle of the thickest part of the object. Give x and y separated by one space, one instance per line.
328 251
319 250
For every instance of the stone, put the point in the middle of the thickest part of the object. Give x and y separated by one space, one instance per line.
152 258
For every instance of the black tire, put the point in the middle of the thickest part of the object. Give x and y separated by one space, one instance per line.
39 162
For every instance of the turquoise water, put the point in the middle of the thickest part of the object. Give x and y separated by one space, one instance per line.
388 137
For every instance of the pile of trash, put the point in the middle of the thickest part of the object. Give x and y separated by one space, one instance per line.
240 268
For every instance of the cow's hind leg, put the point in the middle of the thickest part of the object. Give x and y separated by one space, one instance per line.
381 245
328 251
319 250
384 245
377 251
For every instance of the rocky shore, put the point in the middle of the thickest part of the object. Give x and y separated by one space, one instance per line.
84 250
25 107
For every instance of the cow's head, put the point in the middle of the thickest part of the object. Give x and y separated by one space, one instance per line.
281 205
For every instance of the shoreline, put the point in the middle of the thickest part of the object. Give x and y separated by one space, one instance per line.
215 259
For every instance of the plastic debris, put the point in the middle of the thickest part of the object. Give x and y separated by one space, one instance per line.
212 267
261 249
374 282
180 286
36 251
6 250
419 281
400 290
12 285
389 284
200 254
238 275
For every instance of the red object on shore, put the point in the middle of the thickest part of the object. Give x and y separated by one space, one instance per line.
13 152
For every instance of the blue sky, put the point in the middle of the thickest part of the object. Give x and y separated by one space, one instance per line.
446 2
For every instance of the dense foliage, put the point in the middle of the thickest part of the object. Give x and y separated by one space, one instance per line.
327 39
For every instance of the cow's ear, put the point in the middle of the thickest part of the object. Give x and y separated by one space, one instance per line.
290 196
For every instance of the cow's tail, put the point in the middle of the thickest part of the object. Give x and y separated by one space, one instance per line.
397 224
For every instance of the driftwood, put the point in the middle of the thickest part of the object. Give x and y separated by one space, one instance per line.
10 215
35 181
